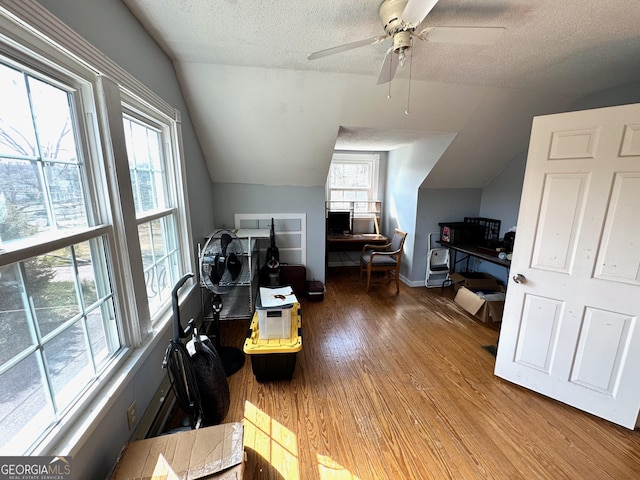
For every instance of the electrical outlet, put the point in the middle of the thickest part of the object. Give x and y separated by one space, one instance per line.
132 415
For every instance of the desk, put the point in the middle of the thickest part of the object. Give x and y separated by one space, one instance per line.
471 251
341 243
349 243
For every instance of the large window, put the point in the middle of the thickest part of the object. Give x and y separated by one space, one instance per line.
353 180
85 245
41 177
58 326
152 181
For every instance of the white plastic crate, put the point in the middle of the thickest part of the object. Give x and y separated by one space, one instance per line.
274 322
274 307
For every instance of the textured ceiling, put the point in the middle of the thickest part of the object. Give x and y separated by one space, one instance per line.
551 52
577 44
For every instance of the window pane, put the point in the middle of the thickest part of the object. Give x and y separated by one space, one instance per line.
50 282
349 195
41 186
145 165
25 410
146 244
336 173
100 323
160 259
23 211
67 199
48 295
86 274
17 136
350 175
52 115
15 333
68 364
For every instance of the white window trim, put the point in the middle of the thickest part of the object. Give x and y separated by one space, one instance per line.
28 27
177 187
373 159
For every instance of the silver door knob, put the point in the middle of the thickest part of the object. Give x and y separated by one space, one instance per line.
519 278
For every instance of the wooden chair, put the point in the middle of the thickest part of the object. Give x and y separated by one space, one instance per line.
383 258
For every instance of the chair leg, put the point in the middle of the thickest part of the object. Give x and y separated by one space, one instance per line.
397 282
368 278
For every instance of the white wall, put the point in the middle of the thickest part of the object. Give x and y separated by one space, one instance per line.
406 170
229 199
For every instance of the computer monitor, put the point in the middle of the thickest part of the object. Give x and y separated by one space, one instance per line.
338 222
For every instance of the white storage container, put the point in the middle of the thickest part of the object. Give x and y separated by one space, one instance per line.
274 321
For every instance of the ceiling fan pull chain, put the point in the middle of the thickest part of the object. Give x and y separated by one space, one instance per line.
406 112
390 74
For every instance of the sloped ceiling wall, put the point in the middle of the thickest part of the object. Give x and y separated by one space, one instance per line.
279 127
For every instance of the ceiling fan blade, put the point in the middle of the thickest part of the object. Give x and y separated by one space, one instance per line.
466 35
346 47
388 68
416 10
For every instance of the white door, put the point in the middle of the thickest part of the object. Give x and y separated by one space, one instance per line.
570 327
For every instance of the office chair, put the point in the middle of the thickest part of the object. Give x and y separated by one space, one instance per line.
383 258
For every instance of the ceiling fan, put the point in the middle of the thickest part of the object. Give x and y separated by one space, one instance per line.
401 19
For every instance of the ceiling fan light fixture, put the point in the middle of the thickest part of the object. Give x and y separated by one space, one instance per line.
400 19
401 43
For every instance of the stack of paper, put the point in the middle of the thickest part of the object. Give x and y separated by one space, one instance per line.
277 297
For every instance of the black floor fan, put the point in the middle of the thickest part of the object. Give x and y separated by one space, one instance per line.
195 371
221 270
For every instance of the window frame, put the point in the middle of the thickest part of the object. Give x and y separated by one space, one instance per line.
177 207
45 45
373 161
79 84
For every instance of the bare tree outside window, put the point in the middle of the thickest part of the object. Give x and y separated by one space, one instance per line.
57 318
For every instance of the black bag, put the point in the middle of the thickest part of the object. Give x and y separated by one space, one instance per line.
212 381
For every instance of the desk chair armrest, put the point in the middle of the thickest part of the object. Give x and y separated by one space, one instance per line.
388 253
370 246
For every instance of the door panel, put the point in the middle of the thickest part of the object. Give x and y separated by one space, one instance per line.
619 255
598 365
539 332
570 330
563 201
573 144
631 141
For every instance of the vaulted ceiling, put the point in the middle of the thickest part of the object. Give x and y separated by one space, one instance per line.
264 114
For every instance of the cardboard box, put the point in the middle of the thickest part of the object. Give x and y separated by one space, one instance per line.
211 453
474 281
487 307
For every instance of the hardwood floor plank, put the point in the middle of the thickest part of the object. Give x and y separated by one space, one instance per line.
399 386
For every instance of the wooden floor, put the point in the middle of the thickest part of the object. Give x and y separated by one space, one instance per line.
399 387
